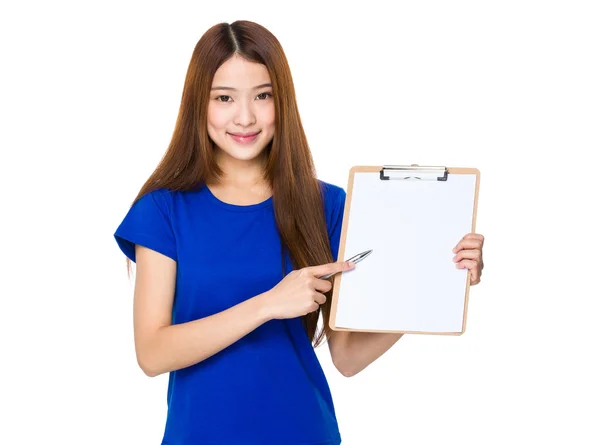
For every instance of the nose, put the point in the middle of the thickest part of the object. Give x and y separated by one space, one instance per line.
245 115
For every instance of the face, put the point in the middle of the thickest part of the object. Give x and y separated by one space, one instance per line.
241 112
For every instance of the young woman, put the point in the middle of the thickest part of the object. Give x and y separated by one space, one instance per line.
229 235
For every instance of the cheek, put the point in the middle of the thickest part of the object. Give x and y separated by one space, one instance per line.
268 117
216 118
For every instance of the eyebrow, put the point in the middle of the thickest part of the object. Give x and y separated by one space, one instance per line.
233 89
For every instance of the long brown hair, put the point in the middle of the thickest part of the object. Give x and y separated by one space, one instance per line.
189 161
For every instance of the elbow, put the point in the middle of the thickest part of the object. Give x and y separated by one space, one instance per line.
345 369
147 366
148 370
148 357
348 373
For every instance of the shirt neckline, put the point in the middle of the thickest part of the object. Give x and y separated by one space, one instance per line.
237 208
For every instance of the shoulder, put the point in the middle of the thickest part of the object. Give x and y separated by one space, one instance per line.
334 198
161 198
331 193
148 222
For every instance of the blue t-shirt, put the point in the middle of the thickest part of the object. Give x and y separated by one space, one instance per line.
267 388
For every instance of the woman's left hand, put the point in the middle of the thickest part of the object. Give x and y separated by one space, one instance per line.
469 254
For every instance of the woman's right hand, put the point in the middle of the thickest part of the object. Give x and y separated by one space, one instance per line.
301 291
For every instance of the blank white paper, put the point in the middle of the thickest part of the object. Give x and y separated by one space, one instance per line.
409 282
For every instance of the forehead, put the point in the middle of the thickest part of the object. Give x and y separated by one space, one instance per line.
241 74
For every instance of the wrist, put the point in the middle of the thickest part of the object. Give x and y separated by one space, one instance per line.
263 307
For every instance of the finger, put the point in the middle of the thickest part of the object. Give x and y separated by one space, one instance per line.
322 285
472 254
468 244
319 298
475 236
314 306
330 268
475 275
474 271
467 264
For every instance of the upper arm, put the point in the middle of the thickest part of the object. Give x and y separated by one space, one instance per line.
335 204
153 297
335 198
336 343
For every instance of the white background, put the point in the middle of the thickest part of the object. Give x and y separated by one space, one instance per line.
89 94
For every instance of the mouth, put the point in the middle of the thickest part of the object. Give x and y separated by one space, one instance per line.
244 137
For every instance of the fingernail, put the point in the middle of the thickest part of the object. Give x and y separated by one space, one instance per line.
350 265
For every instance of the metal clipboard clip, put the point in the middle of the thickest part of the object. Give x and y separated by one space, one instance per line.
418 172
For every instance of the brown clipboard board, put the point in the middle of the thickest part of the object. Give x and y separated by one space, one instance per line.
413 170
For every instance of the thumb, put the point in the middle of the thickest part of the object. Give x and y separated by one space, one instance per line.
331 268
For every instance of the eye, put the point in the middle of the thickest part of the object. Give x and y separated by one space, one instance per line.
219 98
267 94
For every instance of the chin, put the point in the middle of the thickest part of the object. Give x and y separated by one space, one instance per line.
247 157
242 154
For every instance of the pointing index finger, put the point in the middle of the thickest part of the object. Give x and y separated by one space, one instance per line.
332 269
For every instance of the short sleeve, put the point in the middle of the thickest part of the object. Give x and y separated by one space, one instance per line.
335 200
148 224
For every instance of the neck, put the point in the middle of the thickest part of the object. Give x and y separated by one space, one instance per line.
239 173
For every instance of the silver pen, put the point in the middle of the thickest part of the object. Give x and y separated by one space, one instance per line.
355 259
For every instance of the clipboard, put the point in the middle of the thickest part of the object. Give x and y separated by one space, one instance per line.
412 217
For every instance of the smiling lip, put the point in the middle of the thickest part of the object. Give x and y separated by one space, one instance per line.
244 137
244 134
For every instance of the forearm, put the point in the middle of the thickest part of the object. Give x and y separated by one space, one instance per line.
363 348
181 345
